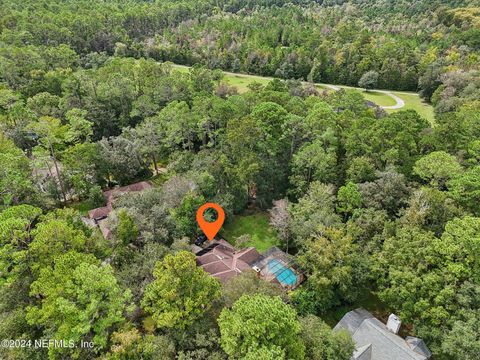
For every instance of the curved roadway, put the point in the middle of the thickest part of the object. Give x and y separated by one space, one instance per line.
399 102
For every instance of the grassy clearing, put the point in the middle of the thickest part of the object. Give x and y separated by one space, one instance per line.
241 82
181 68
412 100
257 226
83 207
380 99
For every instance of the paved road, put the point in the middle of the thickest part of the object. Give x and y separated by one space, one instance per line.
399 102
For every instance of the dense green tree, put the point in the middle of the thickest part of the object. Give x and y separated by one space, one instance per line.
431 209
244 138
130 344
179 125
369 80
430 80
465 189
463 340
314 212
369 227
149 140
423 274
266 353
83 168
16 224
334 267
79 128
184 215
126 230
45 104
16 183
121 158
202 342
361 169
322 343
51 135
391 140
312 163
180 293
270 117
52 238
437 168
388 192
348 198
260 323
80 300
134 269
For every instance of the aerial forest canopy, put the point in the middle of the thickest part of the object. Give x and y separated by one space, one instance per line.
330 41
378 208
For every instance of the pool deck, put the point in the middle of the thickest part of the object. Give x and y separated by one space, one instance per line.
222 261
283 270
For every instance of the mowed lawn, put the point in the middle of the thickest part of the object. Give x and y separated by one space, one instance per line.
256 225
412 100
380 99
415 102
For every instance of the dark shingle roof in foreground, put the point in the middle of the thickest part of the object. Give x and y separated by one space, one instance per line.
375 342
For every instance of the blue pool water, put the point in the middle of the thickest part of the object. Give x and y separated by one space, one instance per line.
284 274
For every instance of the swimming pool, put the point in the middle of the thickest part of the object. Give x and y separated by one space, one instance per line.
284 274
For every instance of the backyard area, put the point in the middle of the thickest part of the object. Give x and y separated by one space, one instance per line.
83 206
369 301
255 225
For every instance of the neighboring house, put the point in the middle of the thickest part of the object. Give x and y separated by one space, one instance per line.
376 341
223 261
99 215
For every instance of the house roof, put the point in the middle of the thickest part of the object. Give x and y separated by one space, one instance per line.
104 211
225 245
99 213
249 255
106 232
363 353
418 345
369 332
224 262
140 186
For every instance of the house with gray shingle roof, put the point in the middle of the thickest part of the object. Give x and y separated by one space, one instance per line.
376 341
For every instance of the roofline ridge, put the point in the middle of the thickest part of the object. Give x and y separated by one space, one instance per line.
385 336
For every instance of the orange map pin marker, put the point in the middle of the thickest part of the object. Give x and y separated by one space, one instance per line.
210 228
